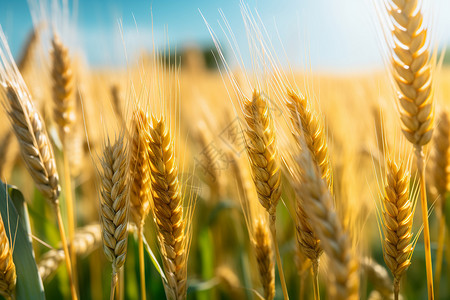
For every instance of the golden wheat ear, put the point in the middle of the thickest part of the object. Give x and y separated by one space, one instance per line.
7 268
265 163
140 194
307 123
63 88
168 208
264 256
334 240
114 194
397 216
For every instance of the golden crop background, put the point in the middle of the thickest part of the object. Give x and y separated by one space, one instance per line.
205 119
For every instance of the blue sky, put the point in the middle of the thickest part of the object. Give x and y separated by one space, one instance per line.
330 34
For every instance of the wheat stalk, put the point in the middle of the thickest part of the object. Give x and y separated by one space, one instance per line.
114 205
7 268
412 70
168 208
141 185
307 122
335 242
87 239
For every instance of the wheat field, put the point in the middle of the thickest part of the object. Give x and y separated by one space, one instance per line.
189 175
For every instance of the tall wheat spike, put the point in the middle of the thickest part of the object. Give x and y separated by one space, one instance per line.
440 179
304 119
7 267
115 205
412 69
141 183
335 242
264 161
397 219
31 134
168 208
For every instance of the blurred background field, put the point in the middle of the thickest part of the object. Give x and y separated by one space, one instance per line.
333 50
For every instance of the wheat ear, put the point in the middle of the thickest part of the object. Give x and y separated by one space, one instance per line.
307 121
141 184
114 206
412 69
308 242
397 219
63 87
264 257
335 242
28 51
264 161
7 268
87 239
34 143
440 177
168 208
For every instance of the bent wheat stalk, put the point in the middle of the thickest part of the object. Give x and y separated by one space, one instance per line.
264 161
412 71
87 239
31 134
114 206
